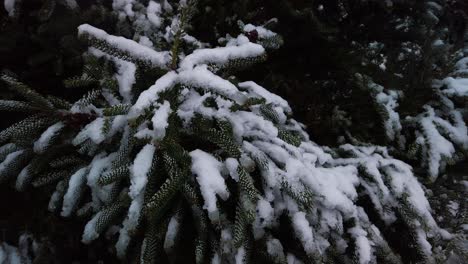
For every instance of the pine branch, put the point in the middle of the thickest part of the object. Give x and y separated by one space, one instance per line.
26 92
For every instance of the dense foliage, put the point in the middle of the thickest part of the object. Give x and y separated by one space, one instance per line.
151 137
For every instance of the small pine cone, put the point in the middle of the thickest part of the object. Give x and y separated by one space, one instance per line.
252 35
78 120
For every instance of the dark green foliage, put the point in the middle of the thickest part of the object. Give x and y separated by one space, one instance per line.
114 110
153 241
15 106
50 177
7 149
289 137
25 91
17 160
79 81
88 98
269 113
66 161
25 129
246 184
114 175
59 103
221 137
166 192
108 215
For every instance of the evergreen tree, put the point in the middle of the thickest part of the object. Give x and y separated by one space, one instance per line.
174 159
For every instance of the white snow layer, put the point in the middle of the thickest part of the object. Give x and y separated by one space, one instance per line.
9 254
100 164
158 59
208 173
138 179
125 6
160 120
23 178
149 96
153 12
71 4
126 78
44 140
262 32
171 233
140 169
221 55
304 231
72 196
95 130
9 160
10 6
89 233
456 86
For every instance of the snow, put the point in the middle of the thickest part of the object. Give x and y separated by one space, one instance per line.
23 178
221 55
153 12
303 231
201 77
264 217
129 224
91 131
73 194
363 245
9 254
71 4
440 146
7 148
138 179
126 78
145 41
291 259
425 246
453 208
262 32
274 248
388 100
44 140
160 120
139 170
240 255
193 103
149 96
392 124
125 5
100 164
232 165
10 159
216 259
208 174
89 233
456 86
258 91
313 173
157 59
10 6
171 233
56 196
95 129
